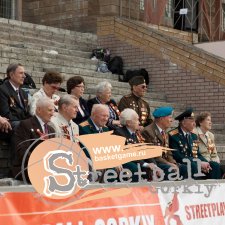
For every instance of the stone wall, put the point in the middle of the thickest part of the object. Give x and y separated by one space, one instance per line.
183 72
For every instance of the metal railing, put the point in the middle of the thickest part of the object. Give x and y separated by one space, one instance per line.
205 17
7 9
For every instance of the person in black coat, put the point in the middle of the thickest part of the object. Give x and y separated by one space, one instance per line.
75 87
103 96
130 125
28 131
14 100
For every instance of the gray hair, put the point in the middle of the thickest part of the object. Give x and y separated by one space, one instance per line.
99 107
66 100
43 102
127 114
102 86
12 68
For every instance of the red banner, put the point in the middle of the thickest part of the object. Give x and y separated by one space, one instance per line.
139 206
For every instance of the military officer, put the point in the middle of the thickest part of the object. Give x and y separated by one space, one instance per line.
186 143
135 101
156 134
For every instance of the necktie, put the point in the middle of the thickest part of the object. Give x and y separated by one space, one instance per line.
188 139
20 101
45 128
134 137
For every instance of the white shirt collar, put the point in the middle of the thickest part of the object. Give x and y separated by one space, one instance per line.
41 122
14 87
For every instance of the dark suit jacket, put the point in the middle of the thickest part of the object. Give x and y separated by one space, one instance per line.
10 105
25 134
152 135
113 111
79 118
124 132
87 127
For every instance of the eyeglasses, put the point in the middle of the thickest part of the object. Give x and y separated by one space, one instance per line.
80 86
54 87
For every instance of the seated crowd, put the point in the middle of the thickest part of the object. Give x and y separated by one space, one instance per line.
48 115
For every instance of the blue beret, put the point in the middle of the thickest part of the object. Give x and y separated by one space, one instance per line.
186 114
162 111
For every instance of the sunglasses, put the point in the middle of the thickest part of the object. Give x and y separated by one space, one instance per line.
143 86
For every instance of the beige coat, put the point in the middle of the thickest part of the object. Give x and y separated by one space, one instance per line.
207 145
63 128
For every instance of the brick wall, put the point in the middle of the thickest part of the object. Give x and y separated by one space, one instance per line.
173 74
80 15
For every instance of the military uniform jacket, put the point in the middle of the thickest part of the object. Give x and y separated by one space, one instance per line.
63 128
137 104
178 141
152 135
207 145
10 105
87 127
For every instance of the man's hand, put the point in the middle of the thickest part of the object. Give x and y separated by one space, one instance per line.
205 166
155 168
5 125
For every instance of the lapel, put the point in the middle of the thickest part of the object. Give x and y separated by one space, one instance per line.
201 136
12 92
35 125
183 139
158 134
92 126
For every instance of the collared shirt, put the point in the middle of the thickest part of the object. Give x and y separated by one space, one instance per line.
96 127
14 87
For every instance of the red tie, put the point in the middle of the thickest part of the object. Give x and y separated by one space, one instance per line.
46 128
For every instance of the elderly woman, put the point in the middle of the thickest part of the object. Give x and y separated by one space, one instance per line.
75 87
51 83
103 96
207 144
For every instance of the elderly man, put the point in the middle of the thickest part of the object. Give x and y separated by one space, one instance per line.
155 134
135 101
130 124
97 121
186 143
62 121
29 130
14 101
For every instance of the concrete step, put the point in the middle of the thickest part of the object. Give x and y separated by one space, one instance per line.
39 55
23 39
43 31
46 48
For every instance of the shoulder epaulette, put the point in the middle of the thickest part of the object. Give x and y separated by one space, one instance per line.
127 96
173 132
83 124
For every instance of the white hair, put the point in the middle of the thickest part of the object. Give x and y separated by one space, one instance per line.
43 102
103 86
66 100
127 114
99 107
